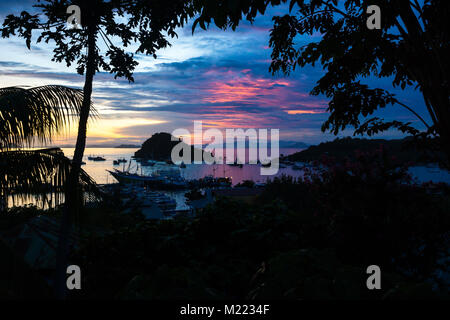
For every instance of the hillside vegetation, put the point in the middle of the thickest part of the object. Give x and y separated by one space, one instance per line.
403 151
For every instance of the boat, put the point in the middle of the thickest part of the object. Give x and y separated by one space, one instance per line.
119 161
163 201
301 165
297 166
147 163
132 178
236 163
164 179
286 162
171 179
266 165
210 182
182 165
98 158
194 194
147 200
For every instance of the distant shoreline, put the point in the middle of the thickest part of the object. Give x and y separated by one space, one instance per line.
107 147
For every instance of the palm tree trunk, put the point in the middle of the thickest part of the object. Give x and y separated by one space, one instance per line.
73 195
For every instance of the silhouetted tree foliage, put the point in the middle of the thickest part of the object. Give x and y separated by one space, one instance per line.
302 238
411 49
35 114
118 24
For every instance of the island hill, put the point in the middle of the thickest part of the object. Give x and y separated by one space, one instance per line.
159 147
341 149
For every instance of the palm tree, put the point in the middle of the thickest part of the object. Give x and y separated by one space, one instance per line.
29 115
37 172
38 114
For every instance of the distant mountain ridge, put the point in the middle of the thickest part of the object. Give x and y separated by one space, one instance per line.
346 148
281 143
128 146
124 146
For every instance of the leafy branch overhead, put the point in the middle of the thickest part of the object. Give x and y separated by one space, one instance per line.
411 49
38 113
118 25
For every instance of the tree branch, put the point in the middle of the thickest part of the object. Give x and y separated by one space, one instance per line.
413 112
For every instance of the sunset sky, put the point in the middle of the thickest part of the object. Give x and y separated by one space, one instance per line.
218 77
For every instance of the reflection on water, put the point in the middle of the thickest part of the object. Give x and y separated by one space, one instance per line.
430 173
46 201
97 169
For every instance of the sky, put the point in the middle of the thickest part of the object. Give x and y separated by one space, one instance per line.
218 77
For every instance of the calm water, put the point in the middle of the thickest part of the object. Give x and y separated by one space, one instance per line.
193 171
97 169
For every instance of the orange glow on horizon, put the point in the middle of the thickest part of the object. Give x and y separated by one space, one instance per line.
107 128
303 111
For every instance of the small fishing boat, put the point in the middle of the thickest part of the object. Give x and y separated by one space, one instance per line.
266 165
119 161
147 163
182 165
98 158
236 163
297 166
210 182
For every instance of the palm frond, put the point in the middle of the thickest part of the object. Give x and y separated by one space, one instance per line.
41 173
39 113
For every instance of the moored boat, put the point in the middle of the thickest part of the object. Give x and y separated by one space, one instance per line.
98 158
164 179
